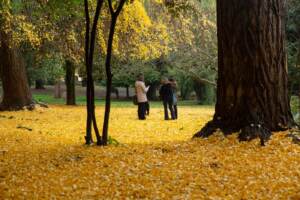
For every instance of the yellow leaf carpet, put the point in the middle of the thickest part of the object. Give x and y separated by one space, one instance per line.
42 156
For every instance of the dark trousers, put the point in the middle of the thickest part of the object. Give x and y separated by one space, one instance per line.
175 111
169 104
147 108
142 110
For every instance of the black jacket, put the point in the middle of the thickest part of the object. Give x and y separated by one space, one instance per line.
166 92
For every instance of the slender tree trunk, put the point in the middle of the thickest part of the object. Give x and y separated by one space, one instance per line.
57 89
199 90
204 92
109 76
70 83
108 82
252 91
127 92
16 91
90 38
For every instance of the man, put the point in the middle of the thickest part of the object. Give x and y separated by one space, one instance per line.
166 95
141 91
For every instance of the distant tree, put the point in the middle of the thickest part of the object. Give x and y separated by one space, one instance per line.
70 83
252 92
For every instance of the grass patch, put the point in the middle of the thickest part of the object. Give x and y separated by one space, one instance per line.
81 100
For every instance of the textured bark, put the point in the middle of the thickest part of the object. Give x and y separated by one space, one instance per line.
16 91
70 83
252 91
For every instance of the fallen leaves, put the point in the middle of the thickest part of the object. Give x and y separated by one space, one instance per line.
155 159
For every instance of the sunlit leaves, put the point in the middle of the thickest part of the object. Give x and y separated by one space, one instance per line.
155 159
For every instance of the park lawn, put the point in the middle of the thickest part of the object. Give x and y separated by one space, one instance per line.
42 156
81 100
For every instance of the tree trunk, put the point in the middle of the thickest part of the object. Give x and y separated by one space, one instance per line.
90 38
16 91
116 91
204 92
114 17
70 83
127 92
57 89
39 84
199 90
252 91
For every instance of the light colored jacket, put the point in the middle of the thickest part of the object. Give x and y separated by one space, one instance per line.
141 91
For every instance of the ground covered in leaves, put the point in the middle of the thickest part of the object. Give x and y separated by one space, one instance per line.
42 156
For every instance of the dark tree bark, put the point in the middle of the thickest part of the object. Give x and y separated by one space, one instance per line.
127 92
70 83
114 17
39 84
16 91
90 38
252 91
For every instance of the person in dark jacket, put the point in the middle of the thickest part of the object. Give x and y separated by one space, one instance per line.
174 90
166 95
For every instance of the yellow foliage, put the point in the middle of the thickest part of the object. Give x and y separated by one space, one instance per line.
137 35
155 160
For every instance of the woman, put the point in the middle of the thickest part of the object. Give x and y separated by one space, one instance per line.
141 91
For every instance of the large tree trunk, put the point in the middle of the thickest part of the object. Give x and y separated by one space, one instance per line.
70 83
252 92
16 91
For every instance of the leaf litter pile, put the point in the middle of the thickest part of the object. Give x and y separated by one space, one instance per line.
42 156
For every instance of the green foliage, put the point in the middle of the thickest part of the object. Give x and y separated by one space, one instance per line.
113 141
48 69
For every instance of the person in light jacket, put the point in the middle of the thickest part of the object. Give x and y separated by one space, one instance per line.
141 91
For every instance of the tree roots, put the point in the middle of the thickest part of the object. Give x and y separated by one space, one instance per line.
209 129
253 131
247 133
